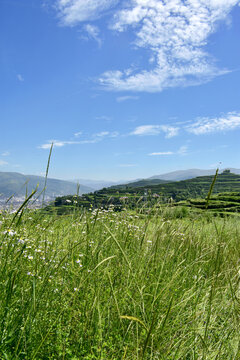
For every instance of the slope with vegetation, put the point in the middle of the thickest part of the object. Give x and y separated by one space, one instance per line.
150 195
103 285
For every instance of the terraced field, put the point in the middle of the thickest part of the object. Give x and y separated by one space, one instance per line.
225 195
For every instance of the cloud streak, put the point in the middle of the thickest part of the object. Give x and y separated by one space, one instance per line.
206 125
93 32
125 98
20 77
5 153
144 130
93 140
181 151
161 153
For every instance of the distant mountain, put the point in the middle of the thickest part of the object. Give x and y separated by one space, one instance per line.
96 184
153 180
178 190
190 174
16 183
140 183
150 195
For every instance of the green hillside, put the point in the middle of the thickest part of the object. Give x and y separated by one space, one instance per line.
222 203
150 195
181 190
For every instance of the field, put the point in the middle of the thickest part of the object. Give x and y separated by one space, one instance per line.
108 285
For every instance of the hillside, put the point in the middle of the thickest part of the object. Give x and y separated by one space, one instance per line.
183 174
150 195
184 189
170 177
222 203
15 183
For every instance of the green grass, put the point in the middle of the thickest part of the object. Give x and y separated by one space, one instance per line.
119 285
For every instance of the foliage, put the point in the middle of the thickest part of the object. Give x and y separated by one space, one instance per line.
149 196
107 285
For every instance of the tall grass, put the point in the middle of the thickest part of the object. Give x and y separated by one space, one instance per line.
107 285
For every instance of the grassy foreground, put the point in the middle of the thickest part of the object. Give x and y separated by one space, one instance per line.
106 285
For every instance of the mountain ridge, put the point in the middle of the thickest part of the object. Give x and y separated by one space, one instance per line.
16 183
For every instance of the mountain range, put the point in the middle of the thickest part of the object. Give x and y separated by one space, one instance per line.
172 177
16 183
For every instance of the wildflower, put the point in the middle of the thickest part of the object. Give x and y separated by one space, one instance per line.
76 289
9 232
30 257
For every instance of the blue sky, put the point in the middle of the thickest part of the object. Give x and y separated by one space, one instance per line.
124 89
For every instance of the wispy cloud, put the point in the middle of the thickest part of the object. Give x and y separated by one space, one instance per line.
77 134
161 153
103 117
181 151
102 134
2 162
127 165
95 138
93 32
5 153
144 130
125 98
71 12
175 32
57 143
20 77
206 125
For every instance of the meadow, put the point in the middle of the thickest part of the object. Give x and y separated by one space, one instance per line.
107 285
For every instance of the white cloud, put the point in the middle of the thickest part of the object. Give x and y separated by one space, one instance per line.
3 163
143 130
161 153
206 125
20 77
77 134
124 98
71 12
57 143
93 33
103 117
102 134
95 138
181 151
175 32
5 153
